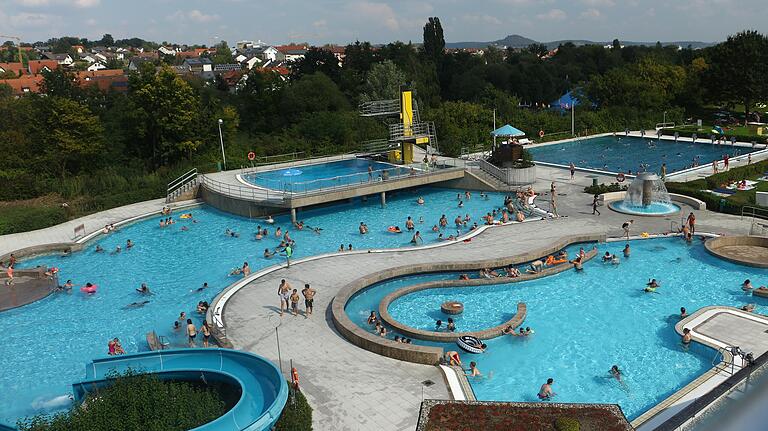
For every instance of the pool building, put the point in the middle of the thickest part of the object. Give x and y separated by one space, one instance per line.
527 266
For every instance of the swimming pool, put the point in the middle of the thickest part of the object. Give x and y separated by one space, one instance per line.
626 153
47 342
585 322
323 175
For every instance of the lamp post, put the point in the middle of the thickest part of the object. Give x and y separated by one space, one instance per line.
221 139
665 118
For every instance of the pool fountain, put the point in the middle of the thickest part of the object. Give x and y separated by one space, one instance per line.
292 172
646 196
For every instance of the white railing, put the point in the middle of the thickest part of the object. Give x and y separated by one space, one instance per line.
509 176
181 185
665 126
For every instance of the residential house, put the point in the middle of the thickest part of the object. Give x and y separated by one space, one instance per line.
240 58
165 50
64 59
78 48
293 52
95 66
149 55
220 68
88 57
338 51
101 56
136 62
198 65
268 53
244 44
24 84
252 62
17 69
37 66
105 80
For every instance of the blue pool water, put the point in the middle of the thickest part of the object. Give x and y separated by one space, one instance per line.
624 154
655 208
48 342
585 322
323 175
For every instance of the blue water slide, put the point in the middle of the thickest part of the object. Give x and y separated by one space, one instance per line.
263 390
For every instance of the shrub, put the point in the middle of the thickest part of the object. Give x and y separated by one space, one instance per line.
602 188
24 218
297 414
136 401
566 424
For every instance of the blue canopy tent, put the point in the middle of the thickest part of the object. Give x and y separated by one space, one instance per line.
507 131
565 102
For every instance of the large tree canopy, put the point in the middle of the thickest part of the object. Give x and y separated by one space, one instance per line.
738 72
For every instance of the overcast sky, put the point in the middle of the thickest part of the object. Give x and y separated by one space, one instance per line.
342 21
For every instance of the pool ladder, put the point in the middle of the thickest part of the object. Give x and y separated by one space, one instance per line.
733 352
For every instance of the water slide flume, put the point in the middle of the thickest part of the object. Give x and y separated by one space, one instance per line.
263 390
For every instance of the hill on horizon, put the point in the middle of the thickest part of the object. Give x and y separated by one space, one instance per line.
518 41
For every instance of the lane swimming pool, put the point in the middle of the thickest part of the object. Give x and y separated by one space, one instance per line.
48 342
586 322
323 175
627 153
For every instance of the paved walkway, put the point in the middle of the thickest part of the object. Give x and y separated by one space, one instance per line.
65 232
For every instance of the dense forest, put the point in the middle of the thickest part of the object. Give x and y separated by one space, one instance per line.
96 150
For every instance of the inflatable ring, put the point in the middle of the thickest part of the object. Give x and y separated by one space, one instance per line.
251 156
761 291
470 344
620 177
393 229
541 133
188 215
295 377
452 307
54 270
644 235
89 289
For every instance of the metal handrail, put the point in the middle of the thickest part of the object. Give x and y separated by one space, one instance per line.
182 182
342 181
296 162
754 212
271 159
281 193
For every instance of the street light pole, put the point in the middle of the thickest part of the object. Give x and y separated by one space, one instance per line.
221 139
665 118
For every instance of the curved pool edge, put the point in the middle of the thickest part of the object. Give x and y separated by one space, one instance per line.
616 206
233 364
485 334
713 247
410 352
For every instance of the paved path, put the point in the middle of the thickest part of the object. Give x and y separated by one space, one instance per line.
65 232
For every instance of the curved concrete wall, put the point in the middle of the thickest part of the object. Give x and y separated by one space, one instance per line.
737 249
409 352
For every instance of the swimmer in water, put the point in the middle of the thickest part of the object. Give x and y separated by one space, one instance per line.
136 305
546 392
99 249
420 200
268 254
144 290
117 250
203 287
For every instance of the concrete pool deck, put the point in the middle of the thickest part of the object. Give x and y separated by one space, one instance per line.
350 388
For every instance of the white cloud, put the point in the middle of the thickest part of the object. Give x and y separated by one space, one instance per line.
90 21
193 15
86 3
321 23
553 15
376 12
591 14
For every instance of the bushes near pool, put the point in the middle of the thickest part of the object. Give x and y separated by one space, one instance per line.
297 414
136 401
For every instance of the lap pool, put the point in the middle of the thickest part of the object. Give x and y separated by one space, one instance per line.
584 323
47 343
304 178
626 153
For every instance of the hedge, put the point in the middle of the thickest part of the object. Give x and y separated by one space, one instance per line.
297 414
136 401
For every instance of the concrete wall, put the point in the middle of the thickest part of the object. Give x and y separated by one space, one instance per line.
761 199
745 250
470 181
237 206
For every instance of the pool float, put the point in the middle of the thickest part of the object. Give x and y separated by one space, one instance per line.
89 288
54 270
552 261
452 307
470 344
761 291
394 229
188 215
644 235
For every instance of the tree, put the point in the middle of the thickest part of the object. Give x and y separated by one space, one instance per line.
616 44
107 40
317 60
223 54
434 42
383 82
60 83
165 113
259 99
6 91
738 69
72 137
462 124
311 94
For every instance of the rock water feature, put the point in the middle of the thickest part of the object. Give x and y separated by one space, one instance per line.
646 195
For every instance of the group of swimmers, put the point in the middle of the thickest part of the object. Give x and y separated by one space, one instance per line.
115 348
381 330
109 228
450 326
524 332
